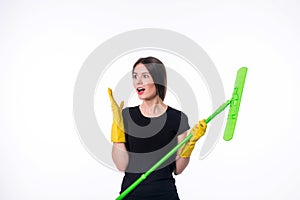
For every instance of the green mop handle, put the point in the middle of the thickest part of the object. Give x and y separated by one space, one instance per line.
168 155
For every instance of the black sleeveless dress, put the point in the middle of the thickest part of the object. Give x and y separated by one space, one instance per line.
148 140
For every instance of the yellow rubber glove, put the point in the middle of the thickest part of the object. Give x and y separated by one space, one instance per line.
198 131
117 129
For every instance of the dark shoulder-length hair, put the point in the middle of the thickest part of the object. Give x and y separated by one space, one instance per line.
158 72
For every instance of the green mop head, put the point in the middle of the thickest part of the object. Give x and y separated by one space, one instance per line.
235 103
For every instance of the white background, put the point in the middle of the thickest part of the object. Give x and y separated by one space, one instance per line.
43 45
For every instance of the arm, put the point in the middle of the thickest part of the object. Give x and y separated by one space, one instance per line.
181 163
185 152
120 155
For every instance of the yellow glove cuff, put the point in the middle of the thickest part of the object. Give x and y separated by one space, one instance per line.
117 133
187 150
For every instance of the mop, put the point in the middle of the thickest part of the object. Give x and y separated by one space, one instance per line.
234 103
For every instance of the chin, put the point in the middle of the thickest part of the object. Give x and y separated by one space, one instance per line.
148 97
143 97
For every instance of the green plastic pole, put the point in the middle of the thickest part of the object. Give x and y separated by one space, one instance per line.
168 155
220 109
235 103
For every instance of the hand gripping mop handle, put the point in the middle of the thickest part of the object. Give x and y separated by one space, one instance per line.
230 126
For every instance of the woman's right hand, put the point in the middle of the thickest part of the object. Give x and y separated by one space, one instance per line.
198 131
117 130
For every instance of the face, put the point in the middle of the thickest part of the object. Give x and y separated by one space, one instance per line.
143 82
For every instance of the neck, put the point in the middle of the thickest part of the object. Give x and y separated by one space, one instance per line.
154 107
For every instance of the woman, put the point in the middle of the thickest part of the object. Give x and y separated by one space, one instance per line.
141 135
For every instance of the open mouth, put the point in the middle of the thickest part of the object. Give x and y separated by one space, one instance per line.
140 90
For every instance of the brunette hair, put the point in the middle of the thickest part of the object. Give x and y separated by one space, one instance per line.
158 72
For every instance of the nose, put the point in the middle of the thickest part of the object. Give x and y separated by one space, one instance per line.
139 80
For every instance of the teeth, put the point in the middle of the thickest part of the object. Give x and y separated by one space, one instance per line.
140 89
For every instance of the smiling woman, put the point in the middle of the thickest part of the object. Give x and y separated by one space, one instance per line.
143 133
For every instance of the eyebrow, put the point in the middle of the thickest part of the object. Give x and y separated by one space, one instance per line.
142 73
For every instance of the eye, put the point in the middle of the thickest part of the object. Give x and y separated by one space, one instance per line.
134 76
146 76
